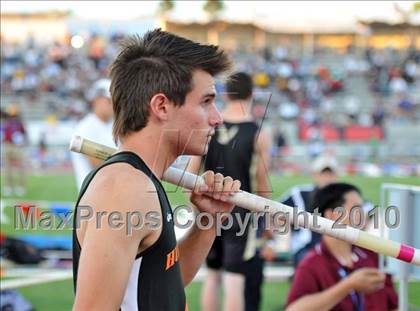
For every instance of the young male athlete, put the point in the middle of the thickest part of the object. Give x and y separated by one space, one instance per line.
163 100
233 261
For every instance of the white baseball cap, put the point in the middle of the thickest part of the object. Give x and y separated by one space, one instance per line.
323 162
99 89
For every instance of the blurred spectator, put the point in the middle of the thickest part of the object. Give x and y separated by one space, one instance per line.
316 144
288 110
14 139
397 84
278 149
352 106
97 51
406 107
324 171
378 114
96 126
335 275
261 79
42 150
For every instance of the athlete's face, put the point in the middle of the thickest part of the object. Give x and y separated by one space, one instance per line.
198 117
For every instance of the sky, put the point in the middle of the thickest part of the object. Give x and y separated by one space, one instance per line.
296 15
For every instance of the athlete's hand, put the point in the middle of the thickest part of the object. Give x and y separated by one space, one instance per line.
211 197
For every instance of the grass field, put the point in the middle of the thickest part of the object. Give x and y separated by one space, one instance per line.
59 295
274 295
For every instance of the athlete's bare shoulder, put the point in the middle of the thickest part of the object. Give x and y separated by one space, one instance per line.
122 189
120 181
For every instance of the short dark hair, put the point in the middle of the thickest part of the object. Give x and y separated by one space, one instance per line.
239 86
332 196
157 62
328 170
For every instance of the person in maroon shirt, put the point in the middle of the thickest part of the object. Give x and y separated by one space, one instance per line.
335 275
13 140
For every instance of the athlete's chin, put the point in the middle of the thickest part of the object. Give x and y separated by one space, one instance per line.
197 150
205 150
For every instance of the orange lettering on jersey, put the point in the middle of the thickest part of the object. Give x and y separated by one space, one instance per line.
171 258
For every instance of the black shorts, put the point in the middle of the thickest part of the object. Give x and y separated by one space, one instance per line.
253 282
251 269
227 251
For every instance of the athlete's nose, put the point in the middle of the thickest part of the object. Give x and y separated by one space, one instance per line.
215 118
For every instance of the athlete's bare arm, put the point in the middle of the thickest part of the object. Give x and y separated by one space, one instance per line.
108 254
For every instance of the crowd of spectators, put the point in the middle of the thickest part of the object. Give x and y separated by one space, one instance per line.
312 90
338 90
58 74
394 76
329 96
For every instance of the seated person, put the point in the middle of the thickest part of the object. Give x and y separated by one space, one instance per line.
335 275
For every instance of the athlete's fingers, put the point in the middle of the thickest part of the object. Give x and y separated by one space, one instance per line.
218 185
208 178
227 188
201 187
236 186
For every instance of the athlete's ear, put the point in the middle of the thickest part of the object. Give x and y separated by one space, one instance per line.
160 106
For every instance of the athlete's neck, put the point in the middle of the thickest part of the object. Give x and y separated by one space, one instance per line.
237 111
152 147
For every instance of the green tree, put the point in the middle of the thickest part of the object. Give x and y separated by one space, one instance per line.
165 6
213 8
407 14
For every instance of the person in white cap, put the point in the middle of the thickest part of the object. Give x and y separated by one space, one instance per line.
324 171
96 126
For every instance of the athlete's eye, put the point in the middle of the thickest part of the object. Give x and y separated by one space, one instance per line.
207 101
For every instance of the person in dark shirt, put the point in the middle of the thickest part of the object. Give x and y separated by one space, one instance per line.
335 275
234 262
324 171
